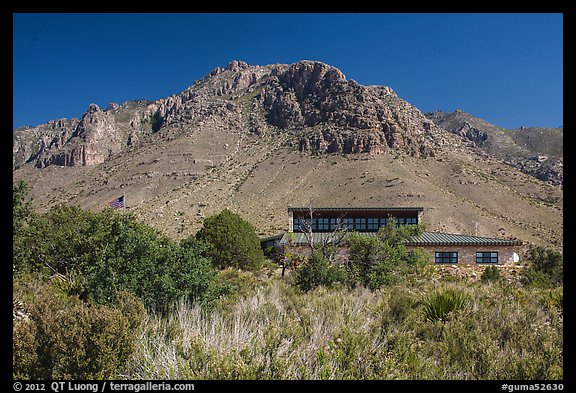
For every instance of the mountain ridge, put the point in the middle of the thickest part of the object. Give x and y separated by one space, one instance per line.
256 139
536 151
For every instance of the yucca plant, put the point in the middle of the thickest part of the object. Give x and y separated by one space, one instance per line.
441 303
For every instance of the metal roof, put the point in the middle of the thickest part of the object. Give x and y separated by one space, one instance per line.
291 209
450 239
425 239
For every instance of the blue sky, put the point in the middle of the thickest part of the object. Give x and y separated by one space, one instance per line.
504 68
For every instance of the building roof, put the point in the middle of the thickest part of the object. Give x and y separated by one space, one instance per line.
291 209
425 239
450 239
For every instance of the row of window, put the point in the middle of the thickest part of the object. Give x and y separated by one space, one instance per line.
351 224
452 257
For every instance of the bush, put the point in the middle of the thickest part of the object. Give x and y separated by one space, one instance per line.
545 267
66 338
232 241
383 260
441 303
97 254
491 273
156 122
317 270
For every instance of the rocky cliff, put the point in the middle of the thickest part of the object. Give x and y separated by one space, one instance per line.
325 112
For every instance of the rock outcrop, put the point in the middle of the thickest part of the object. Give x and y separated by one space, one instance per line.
507 145
326 112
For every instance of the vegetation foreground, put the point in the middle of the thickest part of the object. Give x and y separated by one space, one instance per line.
100 296
277 332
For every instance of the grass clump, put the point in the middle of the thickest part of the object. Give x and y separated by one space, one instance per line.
441 303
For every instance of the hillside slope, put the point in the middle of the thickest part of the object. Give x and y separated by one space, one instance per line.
536 151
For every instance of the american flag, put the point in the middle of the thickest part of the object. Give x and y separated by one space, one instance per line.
117 203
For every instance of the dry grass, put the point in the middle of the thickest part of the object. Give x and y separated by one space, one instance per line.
276 332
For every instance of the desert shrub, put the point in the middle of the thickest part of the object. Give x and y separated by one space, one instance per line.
491 273
156 122
232 241
24 352
441 303
94 255
545 267
554 298
317 270
382 260
279 332
67 338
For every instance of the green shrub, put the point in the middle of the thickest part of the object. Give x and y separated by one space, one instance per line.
66 338
545 267
156 122
555 299
491 273
24 352
317 270
441 303
383 260
232 241
94 255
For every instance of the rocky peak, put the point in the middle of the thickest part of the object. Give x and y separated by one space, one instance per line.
93 108
329 114
236 65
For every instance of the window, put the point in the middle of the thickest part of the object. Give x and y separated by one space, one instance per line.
486 257
348 223
372 224
323 224
446 257
360 224
297 225
383 222
412 221
334 224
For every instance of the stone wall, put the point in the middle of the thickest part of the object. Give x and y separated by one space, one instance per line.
467 254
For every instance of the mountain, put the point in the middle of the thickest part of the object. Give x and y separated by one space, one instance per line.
536 151
257 139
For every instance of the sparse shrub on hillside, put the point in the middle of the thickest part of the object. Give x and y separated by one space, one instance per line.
156 122
232 241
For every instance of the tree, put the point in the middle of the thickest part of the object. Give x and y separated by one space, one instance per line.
23 219
232 241
380 260
94 255
318 270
